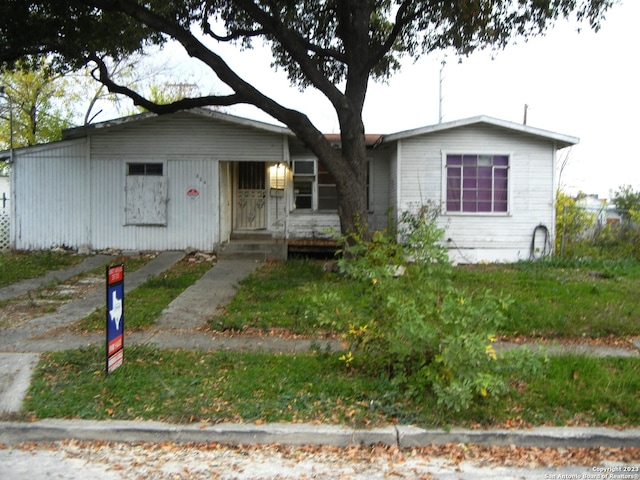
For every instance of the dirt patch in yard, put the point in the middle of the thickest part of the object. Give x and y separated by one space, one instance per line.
18 311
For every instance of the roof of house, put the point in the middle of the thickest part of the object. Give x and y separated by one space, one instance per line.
201 112
370 139
560 139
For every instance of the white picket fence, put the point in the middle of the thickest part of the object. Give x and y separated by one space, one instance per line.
5 222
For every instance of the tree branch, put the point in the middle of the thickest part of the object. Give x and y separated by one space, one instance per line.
298 48
244 92
103 77
235 35
402 20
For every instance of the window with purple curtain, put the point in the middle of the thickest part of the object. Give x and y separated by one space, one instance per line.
477 183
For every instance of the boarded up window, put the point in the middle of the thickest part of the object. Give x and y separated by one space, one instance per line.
146 200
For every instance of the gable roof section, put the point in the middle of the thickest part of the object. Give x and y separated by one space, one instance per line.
197 112
560 139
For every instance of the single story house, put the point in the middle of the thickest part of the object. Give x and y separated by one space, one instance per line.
205 180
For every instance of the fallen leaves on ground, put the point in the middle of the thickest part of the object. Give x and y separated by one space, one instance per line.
218 460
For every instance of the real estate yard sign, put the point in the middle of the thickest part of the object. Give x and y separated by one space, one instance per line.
115 317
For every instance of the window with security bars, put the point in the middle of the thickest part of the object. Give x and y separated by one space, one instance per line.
477 183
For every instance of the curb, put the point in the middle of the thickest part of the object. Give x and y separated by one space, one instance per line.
306 434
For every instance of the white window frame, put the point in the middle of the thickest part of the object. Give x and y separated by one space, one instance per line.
478 153
312 178
307 178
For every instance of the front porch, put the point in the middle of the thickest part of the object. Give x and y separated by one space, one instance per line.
261 245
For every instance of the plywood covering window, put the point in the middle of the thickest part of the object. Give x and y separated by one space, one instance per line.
146 194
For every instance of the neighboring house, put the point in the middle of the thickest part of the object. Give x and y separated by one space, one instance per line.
203 179
596 207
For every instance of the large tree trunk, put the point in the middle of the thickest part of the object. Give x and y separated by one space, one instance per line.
351 179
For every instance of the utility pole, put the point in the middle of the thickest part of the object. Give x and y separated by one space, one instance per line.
444 61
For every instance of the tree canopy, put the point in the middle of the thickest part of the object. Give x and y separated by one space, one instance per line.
334 46
34 111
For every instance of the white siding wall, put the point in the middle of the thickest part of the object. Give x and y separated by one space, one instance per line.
312 225
191 150
4 186
73 193
191 221
183 134
477 237
51 196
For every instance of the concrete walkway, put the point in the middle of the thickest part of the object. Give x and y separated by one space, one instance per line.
179 327
37 334
21 288
20 346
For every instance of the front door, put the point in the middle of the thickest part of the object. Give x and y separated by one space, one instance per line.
251 208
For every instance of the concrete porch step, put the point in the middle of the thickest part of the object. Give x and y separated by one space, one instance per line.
252 235
264 249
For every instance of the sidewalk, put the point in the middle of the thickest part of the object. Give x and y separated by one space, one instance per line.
177 328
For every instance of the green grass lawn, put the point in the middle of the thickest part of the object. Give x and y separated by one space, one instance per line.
549 300
17 266
593 300
191 386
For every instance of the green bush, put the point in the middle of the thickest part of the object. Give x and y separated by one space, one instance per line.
416 327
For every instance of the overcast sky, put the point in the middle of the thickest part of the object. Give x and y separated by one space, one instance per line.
581 84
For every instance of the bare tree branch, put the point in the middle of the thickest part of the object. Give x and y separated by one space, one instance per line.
101 74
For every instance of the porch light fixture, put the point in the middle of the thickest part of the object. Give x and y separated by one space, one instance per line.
277 179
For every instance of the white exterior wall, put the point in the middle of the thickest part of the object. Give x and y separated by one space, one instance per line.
73 192
85 180
483 237
4 186
280 199
191 150
51 197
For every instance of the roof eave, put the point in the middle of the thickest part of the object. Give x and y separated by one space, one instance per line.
560 139
202 112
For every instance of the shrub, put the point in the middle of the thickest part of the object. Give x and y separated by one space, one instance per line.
417 328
